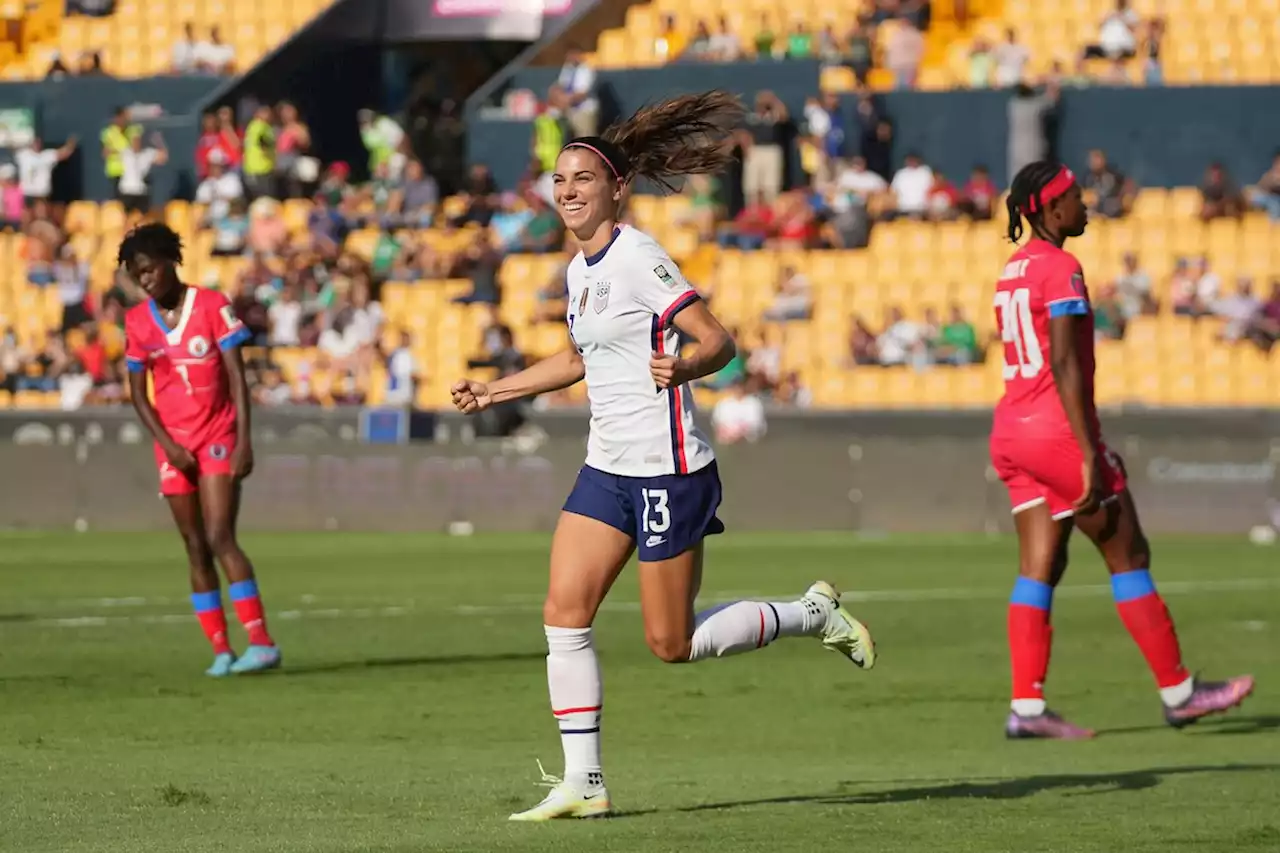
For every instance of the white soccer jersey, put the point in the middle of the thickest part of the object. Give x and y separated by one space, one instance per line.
621 305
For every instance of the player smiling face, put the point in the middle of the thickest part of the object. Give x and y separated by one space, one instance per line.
586 192
157 276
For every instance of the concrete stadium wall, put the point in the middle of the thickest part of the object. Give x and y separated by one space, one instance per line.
895 472
1162 137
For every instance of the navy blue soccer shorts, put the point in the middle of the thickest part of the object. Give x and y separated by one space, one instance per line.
666 515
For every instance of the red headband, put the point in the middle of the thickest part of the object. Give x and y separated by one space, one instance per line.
1061 182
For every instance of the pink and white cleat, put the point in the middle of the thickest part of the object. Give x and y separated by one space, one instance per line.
1047 725
1209 697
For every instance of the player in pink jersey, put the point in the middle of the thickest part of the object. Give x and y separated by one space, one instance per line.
189 340
1047 446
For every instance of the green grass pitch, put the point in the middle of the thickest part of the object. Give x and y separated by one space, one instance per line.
412 706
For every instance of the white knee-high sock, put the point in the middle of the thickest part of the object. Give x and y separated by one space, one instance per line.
742 626
573 680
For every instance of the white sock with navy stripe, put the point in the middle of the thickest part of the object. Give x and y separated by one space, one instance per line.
742 626
573 680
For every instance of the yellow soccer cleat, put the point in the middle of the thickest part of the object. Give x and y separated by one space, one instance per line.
568 798
842 633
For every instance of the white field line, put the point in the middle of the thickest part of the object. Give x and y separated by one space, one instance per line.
521 603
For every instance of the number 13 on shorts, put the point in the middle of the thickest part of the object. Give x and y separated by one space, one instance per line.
657 514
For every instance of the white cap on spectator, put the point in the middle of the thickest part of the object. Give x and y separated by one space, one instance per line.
217 157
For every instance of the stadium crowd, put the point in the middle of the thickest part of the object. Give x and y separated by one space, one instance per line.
315 248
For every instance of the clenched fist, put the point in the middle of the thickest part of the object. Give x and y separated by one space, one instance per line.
470 396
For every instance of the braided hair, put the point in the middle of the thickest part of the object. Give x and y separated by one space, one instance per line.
1027 184
154 239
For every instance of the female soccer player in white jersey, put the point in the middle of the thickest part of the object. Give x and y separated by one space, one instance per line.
650 481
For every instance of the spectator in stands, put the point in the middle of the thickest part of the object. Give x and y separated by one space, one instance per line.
1266 328
726 46
1182 290
739 415
116 139
670 43
1108 314
764 158
1011 60
268 235
800 42
295 169
480 263
944 199
259 163
1029 113
231 229
35 168
577 80
502 355
1265 195
904 50
699 47
134 186
982 63
751 228
215 137
796 223
1240 310
911 186
827 131
326 226
284 317
414 199
1152 45
551 130
1219 195
859 52
1117 35
1133 288
902 341
793 299
219 189
848 215
862 343
91 8
215 56
1111 193
186 51
980 193
12 204
766 39
58 69
402 373
957 340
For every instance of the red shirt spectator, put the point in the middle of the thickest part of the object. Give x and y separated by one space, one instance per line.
755 220
943 197
214 138
93 355
980 194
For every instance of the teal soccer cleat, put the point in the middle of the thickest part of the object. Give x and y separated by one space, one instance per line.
257 659
223 665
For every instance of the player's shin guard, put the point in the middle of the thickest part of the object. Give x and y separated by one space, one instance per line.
1030 639
1147 618
573 681
208 607
248 605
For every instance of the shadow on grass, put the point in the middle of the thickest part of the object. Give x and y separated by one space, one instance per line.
1071 784
403 663
1231 724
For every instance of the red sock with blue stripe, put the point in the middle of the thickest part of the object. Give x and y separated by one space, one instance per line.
208 607
1144 613
1030 639
248 605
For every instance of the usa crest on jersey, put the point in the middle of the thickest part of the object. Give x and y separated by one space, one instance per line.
601 300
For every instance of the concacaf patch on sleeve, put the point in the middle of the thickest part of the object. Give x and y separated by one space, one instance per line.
665 277
229 316
1077 283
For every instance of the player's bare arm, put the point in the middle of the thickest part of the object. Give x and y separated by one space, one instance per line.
242 456
561 370
1068 378
715 349
179 457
